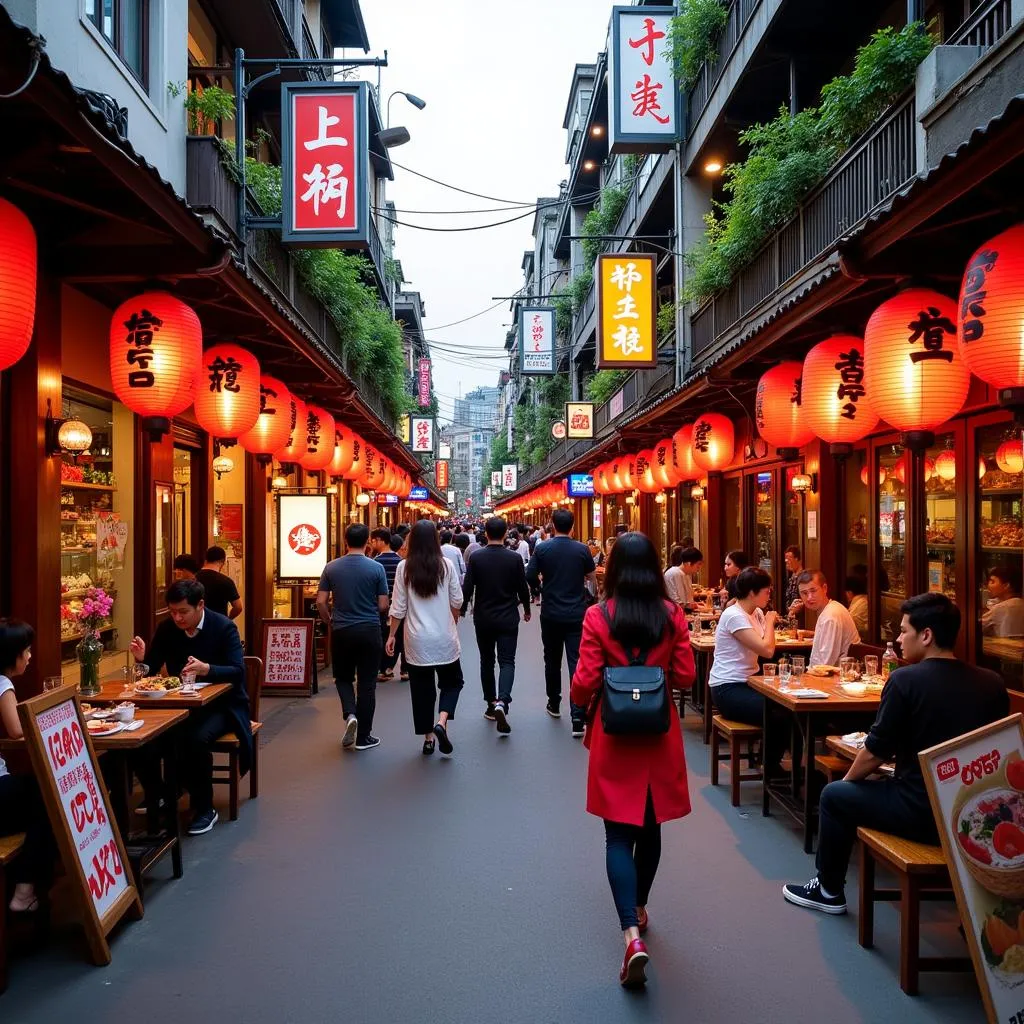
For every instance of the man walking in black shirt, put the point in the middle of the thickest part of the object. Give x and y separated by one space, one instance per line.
387 555
497 577
934 699
221 593
564 566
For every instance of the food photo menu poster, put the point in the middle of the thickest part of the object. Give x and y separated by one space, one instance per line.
976 786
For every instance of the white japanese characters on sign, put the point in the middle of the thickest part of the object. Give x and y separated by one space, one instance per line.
626 286
642 103
537 339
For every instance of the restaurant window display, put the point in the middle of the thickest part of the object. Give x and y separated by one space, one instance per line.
892 538
764 521
96 511
229 517
732 512
183 502
857 494
940 517
792 521
1000 550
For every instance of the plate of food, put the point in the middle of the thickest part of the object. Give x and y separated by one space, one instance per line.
822 670
989 827
99 727
157 686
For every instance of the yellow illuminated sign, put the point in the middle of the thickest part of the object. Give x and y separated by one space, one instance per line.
627 336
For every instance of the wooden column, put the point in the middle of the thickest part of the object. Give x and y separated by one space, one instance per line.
32 490
714 552
258 599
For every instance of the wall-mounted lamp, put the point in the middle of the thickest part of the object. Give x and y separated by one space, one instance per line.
362 499
222 464
71 436
333 489
278 482
804 483
660 499
698 493
630 499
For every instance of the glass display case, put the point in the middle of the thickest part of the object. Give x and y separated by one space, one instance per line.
940 517
892 468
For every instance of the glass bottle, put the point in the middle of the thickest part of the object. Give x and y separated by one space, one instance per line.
890 661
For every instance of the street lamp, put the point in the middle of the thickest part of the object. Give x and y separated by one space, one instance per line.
414 100
399 135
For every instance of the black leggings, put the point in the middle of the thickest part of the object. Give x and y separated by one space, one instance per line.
632 855
22 810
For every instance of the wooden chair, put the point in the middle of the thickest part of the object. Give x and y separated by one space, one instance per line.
10 847
1016 701
230 744
923 875
735 734
859 650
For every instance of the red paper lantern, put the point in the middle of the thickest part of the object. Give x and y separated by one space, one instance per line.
982 468
272 429
627 472
341 460
372 476
156 349
914 374
227 400
714 441
990 321
833 391
595 474
645 472
664 470
899 471
294 447
319 439
18 261
777 407
1010 456
864 475
929 469
945 465
614 475
682 455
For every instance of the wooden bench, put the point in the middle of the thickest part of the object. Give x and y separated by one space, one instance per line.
230 744
10 847
923 875
735 734
831 766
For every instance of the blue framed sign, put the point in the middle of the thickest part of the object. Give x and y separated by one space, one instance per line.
419 494
581 485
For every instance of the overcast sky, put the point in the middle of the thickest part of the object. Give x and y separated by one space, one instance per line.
496 78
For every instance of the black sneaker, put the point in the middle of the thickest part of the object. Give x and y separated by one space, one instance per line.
552 710
203 823
501 717
578 725
489 713
368 743
811 897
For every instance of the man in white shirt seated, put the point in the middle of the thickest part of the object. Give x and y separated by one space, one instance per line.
835 629
674 577
1005 616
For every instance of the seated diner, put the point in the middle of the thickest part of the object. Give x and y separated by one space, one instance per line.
935 698
835 630
195 639
1005 614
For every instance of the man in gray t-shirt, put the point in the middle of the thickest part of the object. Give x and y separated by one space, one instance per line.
357 588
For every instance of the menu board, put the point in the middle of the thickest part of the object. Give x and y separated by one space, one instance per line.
76 800
287 657
976 787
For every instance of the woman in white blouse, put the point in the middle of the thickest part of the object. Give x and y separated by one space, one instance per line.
428 598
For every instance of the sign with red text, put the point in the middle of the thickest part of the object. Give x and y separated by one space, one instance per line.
441 475
976 787
496 481
509 477
627 335
75 795
558 430
423 435
643 98
287 653
537 340
325 163
303 540
423 383
579 420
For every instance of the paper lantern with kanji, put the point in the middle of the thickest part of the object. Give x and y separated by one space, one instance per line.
272 429
294 447
18 263
373 475
714 441
227 400
156 349
664 470
1010 456
990 315
914 374
317 448
341 460
614 475
645 481
833 391
627 472
945 465
682 455
778 409
369 466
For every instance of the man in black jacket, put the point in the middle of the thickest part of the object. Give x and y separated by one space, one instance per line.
196 639
564 566
498 578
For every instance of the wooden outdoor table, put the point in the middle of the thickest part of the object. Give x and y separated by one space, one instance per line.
795 795
849 750
704 653
113 692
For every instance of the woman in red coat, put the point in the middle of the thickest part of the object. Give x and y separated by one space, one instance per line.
634 782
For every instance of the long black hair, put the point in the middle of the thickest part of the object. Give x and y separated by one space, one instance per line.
633 578
424 565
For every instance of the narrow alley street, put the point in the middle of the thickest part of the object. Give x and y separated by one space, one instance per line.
388 887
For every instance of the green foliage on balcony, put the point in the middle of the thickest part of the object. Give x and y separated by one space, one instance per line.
693 37
600 388
205 107
562 301
602 220
578 289
666 320
500 455
788 156
371 339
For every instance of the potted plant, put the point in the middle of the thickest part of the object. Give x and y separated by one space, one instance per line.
205 106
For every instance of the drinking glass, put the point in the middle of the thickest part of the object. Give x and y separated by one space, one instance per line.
52 683
799 664
785 673
871 666
849 670
188 683
769 670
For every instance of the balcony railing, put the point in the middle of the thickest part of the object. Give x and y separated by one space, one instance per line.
289 12
740 12
638 389
865 177
986 26
309 52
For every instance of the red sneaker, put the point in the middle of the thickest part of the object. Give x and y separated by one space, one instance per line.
642 920
634 965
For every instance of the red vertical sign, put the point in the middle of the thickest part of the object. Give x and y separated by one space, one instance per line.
325 183
441 475
424 383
